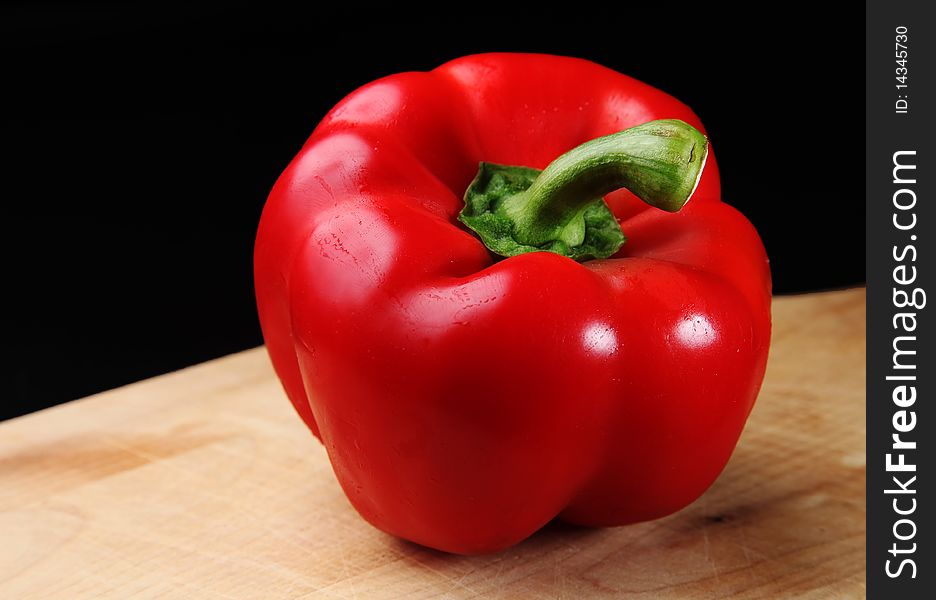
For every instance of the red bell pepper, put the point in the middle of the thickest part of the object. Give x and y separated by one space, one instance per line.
466 399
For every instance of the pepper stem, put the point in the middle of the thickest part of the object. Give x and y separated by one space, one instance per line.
560 209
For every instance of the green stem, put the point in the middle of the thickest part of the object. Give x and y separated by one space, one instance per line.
516 209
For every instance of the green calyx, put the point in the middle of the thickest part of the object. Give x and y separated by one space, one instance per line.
560 209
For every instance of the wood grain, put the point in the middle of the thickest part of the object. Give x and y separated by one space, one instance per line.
204 484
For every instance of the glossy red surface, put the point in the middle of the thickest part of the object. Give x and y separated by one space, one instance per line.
465 402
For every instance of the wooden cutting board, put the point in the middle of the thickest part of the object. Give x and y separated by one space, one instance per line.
204 484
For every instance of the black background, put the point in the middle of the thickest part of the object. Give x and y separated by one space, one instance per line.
141 144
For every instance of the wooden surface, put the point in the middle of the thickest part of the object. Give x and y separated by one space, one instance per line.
204 484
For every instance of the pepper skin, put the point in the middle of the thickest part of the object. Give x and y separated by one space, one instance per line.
466 401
